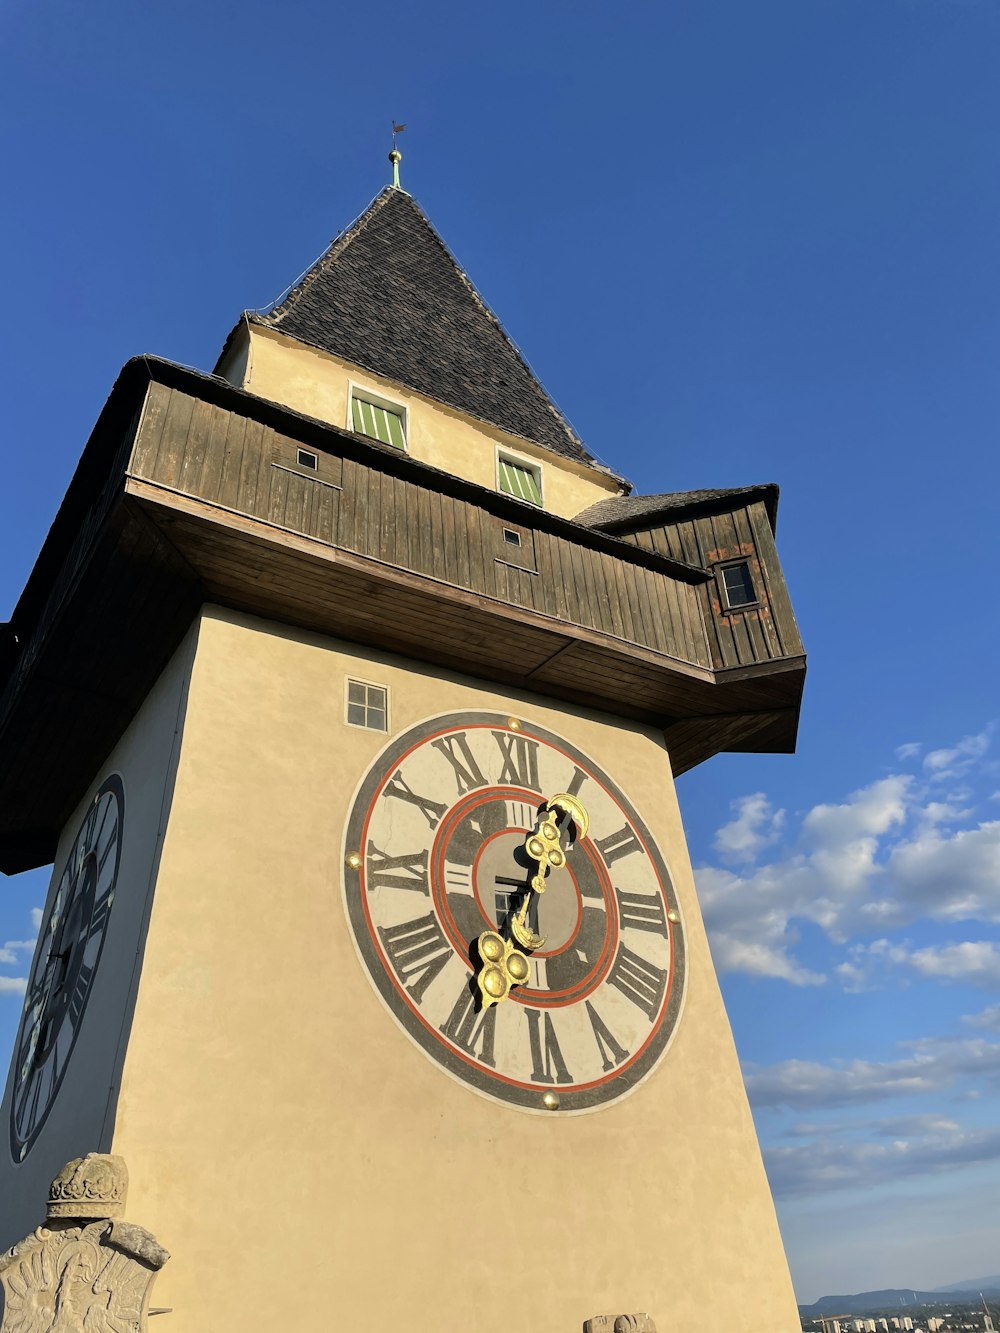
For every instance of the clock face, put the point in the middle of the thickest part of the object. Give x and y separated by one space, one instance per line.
69 949
435 856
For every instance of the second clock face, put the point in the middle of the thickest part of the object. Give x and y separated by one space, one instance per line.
435 855
69 950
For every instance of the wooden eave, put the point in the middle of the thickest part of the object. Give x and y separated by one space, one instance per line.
147 534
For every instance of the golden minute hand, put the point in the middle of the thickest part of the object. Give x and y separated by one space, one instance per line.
544 846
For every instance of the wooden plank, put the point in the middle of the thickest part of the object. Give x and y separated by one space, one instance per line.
156 410
780 604
228 489
253 449
458 528
654 610
203 450
551 596
173 440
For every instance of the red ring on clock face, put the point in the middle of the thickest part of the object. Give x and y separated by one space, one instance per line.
439 824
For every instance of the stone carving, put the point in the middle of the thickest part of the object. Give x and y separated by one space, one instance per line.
85 1270
606 1323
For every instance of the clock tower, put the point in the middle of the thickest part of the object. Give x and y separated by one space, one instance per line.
346 697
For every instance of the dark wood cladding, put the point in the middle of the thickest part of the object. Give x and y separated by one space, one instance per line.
200 450
766 632
191 492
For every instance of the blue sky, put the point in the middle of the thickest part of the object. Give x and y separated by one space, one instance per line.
739 242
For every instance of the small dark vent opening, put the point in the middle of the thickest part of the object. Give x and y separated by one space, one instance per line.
306 459
511 538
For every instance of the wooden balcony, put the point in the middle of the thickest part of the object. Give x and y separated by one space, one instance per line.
191 491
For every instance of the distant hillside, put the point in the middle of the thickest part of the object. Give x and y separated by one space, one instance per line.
975 1284
865 1302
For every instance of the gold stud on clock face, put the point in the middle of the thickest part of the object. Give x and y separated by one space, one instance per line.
526 973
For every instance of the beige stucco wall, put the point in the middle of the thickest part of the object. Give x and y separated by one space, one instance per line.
303 1160
314 382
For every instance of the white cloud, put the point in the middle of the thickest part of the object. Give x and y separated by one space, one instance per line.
757 825
832 1164
950 763
986 1018
11 955
975 962
951 876
936 1063
36 918
749 921
11 948
882 858
908 751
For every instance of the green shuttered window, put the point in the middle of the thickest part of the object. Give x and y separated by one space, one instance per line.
378 423
520 481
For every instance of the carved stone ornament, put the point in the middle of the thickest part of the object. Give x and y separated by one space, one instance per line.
75 1274
607 1323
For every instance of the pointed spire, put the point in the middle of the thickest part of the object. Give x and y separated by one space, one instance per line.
389 296
395 157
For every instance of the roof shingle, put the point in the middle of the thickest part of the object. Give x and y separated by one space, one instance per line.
389 296
628 512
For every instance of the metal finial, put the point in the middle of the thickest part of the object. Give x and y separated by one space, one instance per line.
395 157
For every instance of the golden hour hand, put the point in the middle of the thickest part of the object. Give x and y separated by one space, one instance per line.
505 966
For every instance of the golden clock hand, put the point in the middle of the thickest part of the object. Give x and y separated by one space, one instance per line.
544 846
503 965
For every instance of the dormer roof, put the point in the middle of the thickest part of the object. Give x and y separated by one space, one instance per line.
389 296
627 513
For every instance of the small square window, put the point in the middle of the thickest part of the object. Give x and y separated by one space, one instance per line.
511 538
306 459
379 421
367 705
737 585
519 479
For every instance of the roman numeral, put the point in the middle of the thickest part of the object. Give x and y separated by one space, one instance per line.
457 878
80 991
617 845
111 846
417 950
642 911
431 810
579 778
102 906
520 760
87 832
455 749
643 983
462 1029
611 1053
546 1056
382 870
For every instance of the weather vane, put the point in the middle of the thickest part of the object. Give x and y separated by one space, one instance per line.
395 157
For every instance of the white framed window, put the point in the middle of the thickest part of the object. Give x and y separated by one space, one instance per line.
369 413
519 477
367 705
736 585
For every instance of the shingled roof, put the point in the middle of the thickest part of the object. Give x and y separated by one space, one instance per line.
626 513
389 296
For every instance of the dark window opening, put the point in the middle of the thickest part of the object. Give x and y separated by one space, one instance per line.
737 584
511 538
306 459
